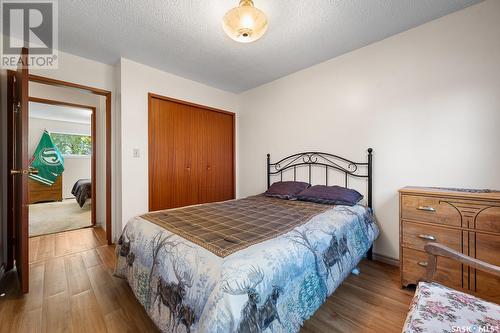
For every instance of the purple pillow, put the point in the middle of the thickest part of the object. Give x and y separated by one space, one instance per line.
330 195
286 190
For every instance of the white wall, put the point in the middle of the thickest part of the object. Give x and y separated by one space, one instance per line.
75 167
136 81
427 100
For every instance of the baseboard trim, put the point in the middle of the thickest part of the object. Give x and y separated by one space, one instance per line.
385 259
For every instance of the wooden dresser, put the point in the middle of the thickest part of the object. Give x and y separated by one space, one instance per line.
465 220
38 192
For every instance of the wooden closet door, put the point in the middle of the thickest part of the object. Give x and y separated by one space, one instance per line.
191 158
217 182
172 128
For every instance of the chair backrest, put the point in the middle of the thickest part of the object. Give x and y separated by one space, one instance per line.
435 249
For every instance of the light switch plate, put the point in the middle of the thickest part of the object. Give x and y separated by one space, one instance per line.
136 152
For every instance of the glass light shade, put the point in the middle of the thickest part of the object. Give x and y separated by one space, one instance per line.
245 23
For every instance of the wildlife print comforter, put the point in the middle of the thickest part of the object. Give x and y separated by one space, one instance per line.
272 286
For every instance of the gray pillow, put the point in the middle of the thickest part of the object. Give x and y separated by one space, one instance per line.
330 195
286 190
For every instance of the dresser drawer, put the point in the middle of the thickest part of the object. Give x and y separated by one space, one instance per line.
429 209
465 220
415 236
488 219
487 248
38 192
414 262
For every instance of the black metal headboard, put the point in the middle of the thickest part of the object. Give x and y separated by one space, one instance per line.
326 161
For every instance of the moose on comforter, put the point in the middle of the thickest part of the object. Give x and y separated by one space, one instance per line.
272 286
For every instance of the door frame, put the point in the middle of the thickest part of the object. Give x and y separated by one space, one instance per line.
107 94
152 96
17 196
93 135
10 181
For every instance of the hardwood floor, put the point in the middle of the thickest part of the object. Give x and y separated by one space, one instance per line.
370 302
72 289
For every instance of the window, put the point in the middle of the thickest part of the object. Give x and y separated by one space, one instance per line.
72 144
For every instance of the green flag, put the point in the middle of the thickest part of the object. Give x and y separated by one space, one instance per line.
48 160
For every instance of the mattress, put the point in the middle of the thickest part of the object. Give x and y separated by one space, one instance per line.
272 285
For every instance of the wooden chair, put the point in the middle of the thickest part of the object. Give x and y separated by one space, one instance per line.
436 308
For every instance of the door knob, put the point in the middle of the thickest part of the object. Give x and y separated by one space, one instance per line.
24 171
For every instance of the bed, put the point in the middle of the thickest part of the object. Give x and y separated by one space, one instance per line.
82 190
256 264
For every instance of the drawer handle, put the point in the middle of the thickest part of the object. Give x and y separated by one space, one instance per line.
427 208
422 263
427 237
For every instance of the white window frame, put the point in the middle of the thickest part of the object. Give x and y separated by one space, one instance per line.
75 156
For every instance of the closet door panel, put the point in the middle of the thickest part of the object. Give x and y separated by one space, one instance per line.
206 185
218 151
194 148
171 162
191 154
223 157
158 159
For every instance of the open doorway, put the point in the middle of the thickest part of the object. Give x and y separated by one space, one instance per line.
19 254
68 94
62 146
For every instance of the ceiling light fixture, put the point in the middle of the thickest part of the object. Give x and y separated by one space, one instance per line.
245 23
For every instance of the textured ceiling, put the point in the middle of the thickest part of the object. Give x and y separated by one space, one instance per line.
185 37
